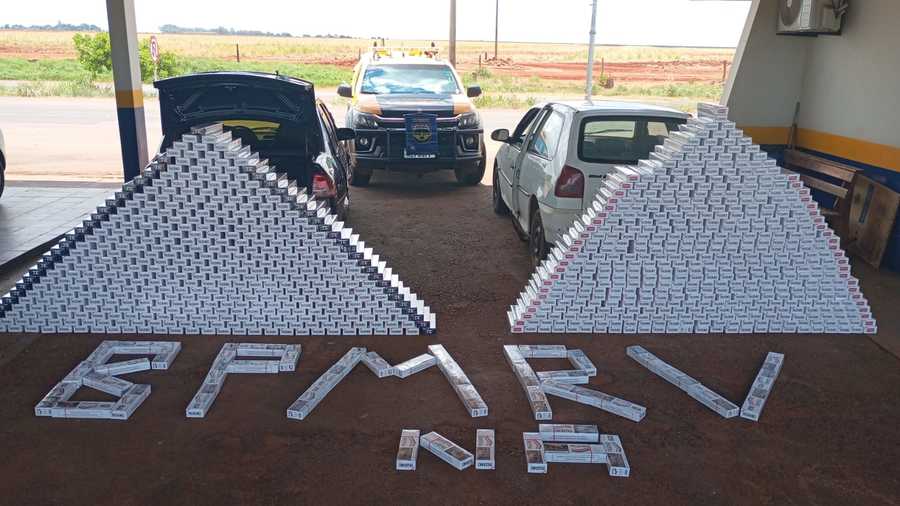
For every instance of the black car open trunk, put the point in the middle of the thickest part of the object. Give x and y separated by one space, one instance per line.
275 115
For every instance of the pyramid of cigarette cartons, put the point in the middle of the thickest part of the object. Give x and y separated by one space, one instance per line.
708 235
210 239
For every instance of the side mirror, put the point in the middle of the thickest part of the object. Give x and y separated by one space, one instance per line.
473 91
345 134
500 135
345 91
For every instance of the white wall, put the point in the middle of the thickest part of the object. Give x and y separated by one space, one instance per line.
767 75
851 85
847 85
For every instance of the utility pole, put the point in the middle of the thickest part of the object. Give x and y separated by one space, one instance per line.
496 27
453 32
127 81
589 86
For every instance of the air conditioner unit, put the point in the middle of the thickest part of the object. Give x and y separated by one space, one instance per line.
811 17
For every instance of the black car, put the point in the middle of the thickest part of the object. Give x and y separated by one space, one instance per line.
278 116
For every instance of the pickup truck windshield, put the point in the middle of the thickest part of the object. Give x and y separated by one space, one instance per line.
387 79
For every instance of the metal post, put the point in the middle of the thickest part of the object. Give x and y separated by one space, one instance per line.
453 32
127 80
589 86
496 27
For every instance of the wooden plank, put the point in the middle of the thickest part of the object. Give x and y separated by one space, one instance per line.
821 165
831 189
873 211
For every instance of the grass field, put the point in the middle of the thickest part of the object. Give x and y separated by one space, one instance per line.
44 64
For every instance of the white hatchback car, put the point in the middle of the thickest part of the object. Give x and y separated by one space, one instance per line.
2 163
551 166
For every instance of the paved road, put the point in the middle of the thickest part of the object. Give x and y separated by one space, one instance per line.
66 138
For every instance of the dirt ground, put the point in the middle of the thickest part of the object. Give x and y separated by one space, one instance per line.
705 70
828 434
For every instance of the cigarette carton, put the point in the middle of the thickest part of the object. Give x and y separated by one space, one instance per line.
447 450
124 367
107 384
569 433
484 449
762 386
534 453
415 364
408 450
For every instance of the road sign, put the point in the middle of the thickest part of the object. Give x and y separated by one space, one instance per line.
154 49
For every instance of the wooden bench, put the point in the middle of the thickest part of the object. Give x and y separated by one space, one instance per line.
811 168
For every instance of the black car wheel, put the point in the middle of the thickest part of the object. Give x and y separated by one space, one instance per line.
500 207
360 177
537 242
2 176
470 176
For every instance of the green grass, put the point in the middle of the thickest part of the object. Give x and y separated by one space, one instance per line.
70 70
20 69
67 78
77 88
320 75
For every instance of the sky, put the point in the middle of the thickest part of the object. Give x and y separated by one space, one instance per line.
631 22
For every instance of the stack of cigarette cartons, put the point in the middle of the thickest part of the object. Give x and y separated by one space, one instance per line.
706 236
98 373
583 444
265 359
408 450
484 449
762 386
464 389
692 387
313 395
447 450
211 239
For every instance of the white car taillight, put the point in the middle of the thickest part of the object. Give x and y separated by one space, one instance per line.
570 183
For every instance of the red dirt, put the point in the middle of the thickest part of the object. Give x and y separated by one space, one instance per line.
655 71
827 436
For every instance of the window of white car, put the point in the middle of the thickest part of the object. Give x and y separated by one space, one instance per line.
622 140
547 138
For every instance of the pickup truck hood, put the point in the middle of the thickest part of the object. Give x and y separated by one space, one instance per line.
398 104
206 97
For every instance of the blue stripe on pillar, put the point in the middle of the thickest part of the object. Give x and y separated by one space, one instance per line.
129 140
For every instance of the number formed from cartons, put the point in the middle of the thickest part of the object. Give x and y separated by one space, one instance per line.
707 236
98 373
211 240
563 383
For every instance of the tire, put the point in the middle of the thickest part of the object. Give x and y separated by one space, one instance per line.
500 207
359 177
537 240
2 176
471 176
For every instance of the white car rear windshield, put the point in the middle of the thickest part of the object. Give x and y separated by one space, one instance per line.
386 79
622 140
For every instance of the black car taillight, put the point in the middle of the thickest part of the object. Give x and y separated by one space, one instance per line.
570 183
323 185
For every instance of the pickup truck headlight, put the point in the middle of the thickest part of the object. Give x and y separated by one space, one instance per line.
469 120
364 120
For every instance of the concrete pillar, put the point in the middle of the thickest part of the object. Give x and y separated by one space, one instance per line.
127 78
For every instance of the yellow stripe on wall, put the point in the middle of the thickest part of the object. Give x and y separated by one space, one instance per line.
857 150
129 99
